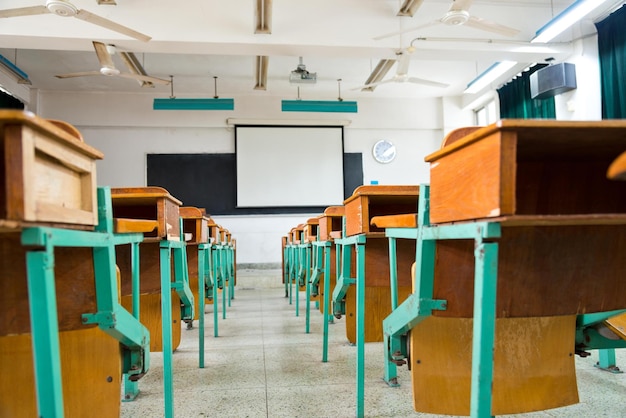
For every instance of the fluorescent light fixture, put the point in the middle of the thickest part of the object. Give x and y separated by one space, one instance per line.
319 106
381 70
565 19
260 72
21 76
263 14
409 7
193 104
488 76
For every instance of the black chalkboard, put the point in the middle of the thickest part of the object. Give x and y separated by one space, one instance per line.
209 181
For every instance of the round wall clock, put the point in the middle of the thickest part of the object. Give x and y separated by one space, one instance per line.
384 151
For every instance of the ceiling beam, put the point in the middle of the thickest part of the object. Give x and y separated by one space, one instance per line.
263 17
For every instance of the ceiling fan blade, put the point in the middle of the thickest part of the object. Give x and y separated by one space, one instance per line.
489 26
81 74
109 24
373 85
458 5
24 11
103 55
426 82
409 7
146 78
400 32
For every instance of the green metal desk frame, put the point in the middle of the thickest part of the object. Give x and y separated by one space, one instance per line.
344 281
420 304
322 266
111 317
168 250
219 275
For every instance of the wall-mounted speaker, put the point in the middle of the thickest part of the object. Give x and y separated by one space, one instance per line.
552 80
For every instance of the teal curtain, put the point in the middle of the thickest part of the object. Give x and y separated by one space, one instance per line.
515 101
612 55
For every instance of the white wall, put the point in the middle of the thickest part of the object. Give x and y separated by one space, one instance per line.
125 128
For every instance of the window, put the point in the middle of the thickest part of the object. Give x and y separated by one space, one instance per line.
486 114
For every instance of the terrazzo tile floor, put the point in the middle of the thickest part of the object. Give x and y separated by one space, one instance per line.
263 364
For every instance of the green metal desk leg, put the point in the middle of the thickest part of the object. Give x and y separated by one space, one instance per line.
327 311
231 266
202 266
166 317
360 328
391 373
485 290
131 389
286 270
298 267
45 332
215 295
606 360
393 273
307 277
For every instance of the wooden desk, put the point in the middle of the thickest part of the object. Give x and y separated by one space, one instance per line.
366 203
195 226
560 224
155 204
52 174
49 182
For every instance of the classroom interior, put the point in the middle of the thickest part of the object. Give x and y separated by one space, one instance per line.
176 195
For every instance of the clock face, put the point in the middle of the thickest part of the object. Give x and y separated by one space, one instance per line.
384 151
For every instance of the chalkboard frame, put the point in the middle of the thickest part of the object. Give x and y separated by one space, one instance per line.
208 181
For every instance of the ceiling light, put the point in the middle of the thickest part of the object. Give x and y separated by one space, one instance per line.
260 72
565 19
21 76
263 16
172 103
319 106
488 76
409 7
381 70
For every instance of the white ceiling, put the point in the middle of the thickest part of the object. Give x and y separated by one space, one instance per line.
195 40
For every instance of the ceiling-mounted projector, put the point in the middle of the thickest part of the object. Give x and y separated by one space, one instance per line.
301 75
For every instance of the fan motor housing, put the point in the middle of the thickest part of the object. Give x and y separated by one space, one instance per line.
61 8
455 17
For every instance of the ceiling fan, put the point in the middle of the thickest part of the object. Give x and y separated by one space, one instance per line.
66 9
401 76
108 68
458 15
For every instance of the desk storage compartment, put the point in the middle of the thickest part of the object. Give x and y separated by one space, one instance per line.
369 201
49 175
529 168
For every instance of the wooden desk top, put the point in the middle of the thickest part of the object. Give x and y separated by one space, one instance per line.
50 128
540 138
191 212
139 195
382 190
334 211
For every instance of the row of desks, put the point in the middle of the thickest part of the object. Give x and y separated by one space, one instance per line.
72 275
515 246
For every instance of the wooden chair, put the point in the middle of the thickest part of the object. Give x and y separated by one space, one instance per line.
520 211
59 351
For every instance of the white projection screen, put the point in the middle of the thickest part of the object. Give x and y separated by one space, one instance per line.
289 166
